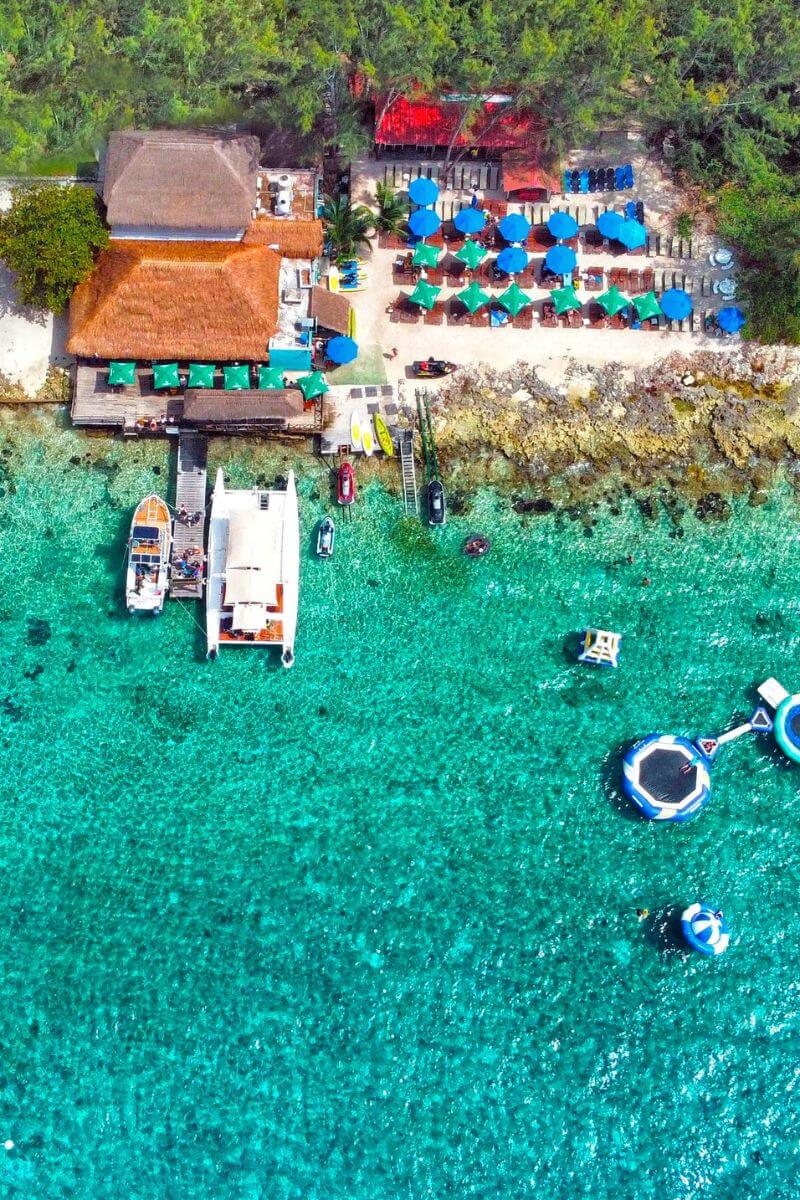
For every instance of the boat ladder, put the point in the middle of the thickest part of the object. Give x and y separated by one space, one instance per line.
408 472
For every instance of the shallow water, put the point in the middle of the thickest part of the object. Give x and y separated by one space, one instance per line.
367 929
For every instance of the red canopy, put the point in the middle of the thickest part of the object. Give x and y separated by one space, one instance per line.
423 121
523 171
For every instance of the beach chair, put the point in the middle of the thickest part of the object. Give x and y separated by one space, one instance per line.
628 172
611 180
635 282
574 319
455 273
619 178
593 279
549 318
435 315
592 179
584 181
457 314
648 279
567 182
480 319
598 317
523 319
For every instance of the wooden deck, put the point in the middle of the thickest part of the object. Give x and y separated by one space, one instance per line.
189 541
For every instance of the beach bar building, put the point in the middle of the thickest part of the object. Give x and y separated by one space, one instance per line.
212 261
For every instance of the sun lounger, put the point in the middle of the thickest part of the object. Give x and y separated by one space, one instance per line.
593 279
628 171
573 319
598 317
480 318
523 319
434 316
648 279
457 314
549 318
618 322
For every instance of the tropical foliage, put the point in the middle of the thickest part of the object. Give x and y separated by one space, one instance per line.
392 210
50 237
347 227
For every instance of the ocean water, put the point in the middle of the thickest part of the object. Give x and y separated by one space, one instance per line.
367 929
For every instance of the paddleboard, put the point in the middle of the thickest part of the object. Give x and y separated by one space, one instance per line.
355 429
367 440
382 432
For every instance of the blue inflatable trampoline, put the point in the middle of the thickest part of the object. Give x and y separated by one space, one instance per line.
666 778
787 727
705 929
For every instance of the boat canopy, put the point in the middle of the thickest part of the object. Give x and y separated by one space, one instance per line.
253 556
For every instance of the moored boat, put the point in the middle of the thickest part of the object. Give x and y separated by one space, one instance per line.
383 435
253 568
345 484
437 505
326 538
149 547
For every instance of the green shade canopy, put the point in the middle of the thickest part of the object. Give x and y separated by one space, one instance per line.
201 375
513 299
312 385
165 375
647 306
270 377
473 297
236 377
613 301
565 299
121 374
425 294
425 255
471 253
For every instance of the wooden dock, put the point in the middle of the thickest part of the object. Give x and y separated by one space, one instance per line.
188 540
408 472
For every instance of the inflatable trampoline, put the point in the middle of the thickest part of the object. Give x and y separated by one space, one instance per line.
705 929
787 727
666 778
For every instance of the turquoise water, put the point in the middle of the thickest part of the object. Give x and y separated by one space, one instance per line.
367 929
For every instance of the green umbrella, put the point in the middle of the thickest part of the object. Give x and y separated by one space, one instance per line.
471 253
236 377
613 301
425 255
270 377
165 375
513 299
425 294
647 306
312 385
565 298
201 375
473 297
121 374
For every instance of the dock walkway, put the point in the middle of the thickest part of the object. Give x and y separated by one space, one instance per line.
190 496
408 472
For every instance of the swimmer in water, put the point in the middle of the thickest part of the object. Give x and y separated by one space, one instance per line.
642 913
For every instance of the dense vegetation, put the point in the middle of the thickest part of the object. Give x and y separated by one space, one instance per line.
50 238
713 81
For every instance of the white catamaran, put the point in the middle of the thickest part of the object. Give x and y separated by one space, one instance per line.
149 545
253 568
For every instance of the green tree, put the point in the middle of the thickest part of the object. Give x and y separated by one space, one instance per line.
348 226
50 237
392 210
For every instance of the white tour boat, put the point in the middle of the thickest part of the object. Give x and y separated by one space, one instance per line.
149 546
253 568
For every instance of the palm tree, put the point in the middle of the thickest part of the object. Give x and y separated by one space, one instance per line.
348 228
392 210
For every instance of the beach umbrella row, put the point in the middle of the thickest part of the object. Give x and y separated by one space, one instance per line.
562 225
514 227
423 222
469 220
473 297
425 255
471 253
424 294
512 260
561 260
513 299
565 300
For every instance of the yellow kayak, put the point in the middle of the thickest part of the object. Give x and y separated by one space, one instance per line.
387 445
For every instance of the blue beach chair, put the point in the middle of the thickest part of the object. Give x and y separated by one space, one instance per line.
619 178
628 169
584 181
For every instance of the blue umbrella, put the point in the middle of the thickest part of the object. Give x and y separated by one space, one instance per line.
514 227
730 319
341 350
469 220
676 304
560 260
423 222
562 225
609 223
632 234
423 191
512 260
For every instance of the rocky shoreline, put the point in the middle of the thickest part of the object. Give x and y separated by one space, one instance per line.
697 428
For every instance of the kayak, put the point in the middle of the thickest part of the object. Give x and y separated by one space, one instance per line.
384 437
345 484
355 429
367 440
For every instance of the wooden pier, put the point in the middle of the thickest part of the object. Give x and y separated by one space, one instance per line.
190 498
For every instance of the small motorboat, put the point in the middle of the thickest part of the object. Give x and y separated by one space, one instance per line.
476 546
326 538
433 368
367 440
345 484
437 505
383 435
149 547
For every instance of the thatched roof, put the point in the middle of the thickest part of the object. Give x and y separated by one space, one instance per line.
201 407
297 238
331 309
173 179
177 300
